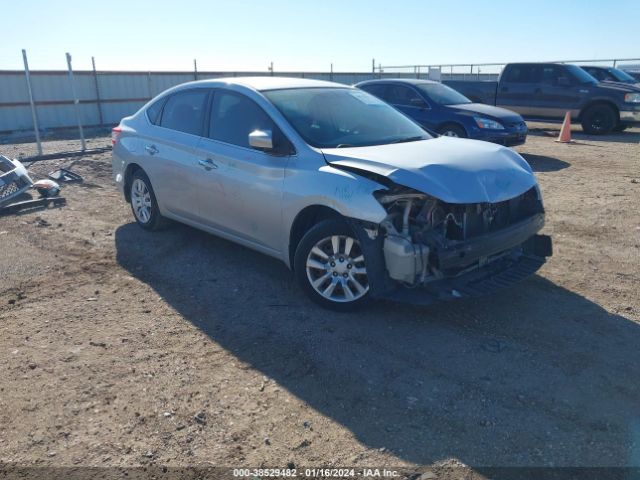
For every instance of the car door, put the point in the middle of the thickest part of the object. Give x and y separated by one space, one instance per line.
172 163
559 92
240 188
410 102
517 88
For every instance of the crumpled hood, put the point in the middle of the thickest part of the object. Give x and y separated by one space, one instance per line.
453 170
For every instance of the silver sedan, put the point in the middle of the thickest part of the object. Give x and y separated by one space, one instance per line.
357 199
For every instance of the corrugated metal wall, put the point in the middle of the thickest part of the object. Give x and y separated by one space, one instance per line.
121 94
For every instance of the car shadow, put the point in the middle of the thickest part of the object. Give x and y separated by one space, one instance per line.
536 375
542 163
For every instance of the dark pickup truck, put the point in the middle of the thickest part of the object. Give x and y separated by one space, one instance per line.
546 91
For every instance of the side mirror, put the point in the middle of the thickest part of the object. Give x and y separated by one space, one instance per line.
261 139
417 102
564 82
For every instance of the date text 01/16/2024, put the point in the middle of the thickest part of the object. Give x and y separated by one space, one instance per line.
315 473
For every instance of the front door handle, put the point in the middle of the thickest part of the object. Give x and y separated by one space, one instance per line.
504 89
207 164
151 149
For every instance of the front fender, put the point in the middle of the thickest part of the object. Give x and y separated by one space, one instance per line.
347 193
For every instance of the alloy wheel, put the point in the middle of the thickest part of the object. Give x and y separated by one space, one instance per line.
141 200
336 269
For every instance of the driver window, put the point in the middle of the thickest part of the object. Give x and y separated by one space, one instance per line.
234 117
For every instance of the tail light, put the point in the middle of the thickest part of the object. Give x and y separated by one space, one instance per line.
115 134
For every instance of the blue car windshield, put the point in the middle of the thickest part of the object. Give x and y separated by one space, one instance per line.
622 76
441 94
580 75
343 117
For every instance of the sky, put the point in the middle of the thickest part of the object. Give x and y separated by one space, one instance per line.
310 35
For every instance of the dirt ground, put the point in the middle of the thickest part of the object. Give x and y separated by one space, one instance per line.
120 347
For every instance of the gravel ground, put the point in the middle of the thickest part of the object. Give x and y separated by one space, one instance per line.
120 347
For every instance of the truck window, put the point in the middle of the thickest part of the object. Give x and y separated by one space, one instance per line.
551 75
522 74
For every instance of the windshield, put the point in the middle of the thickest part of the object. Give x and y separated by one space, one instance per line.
622 76
441 94
580 75
343 117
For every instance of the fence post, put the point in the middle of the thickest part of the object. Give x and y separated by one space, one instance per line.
331 74
34 115
271 69
76 102
195 69
149 85
614 63
373 67
98 100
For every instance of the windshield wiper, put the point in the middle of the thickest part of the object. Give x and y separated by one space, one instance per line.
409 139
344 145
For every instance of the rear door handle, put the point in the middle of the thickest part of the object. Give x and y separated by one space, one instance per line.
208 164
504 89
151 149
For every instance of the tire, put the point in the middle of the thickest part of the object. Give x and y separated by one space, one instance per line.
599 119
452 130
143 203
339 277
620 128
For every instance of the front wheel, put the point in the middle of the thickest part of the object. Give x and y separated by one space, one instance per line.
330 266
452 130
599 119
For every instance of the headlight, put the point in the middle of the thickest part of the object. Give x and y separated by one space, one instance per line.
632 98
486 123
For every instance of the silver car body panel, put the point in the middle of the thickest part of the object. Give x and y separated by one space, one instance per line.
262 195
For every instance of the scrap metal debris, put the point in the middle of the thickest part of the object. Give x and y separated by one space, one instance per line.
65 175
14 179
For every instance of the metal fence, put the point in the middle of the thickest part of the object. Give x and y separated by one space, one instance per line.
485 71
42 101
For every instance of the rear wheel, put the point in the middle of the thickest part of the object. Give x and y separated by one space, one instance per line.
452 130
143 203
330 266
599 119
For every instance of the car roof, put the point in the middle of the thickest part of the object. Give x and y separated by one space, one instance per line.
410 81
266 83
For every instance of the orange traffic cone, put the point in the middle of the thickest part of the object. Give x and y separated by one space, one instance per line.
565 131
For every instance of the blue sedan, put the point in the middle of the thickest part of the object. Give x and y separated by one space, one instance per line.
443 110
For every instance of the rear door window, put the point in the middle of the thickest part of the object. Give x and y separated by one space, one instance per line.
523 74
184 111
376 90
154 111
401 95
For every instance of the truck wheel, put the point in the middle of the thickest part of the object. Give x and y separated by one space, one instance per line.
452 130
330 267
599 119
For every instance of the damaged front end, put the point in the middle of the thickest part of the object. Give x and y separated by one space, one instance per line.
14 179
456 250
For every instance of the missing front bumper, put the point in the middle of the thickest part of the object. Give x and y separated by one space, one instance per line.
500 274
